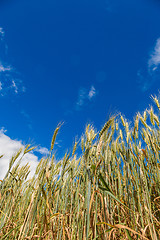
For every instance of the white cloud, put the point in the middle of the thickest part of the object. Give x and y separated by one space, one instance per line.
84 96
0 86
92 93
144 81
58 143
42 150
8 148
14 86
81 96
9 77
148 76
4 69
1 32
154 60
10 81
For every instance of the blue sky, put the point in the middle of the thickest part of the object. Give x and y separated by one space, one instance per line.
75 62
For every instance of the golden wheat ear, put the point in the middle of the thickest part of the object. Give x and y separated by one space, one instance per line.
110 190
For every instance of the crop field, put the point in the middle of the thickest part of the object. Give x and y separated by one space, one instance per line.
108 190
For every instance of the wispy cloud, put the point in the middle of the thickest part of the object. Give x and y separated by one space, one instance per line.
42 150
4 68
149 75
58 143
1 33
14 86
0 86
81 97
10 79
154 61
145 80
92 93
10 83
84 96
8 147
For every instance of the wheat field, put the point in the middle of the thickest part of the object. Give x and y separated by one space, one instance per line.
110 189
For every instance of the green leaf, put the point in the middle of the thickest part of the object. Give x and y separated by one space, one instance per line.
104 183
108 230
109 192
128 234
